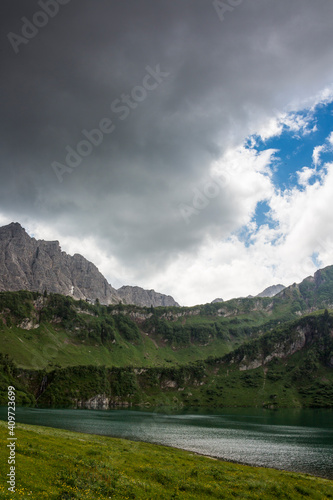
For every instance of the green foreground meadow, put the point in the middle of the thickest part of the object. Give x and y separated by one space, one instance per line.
61 465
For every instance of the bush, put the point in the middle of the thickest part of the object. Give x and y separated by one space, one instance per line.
127 328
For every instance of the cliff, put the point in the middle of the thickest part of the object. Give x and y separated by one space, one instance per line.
141 297
38 265
271 291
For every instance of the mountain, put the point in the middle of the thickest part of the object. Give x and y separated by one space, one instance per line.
144 298
38 265
59 352
261 351
271 291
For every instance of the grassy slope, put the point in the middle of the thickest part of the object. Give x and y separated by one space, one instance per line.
301 380
71 334
61 341
67 343
49 346
59 465
274 386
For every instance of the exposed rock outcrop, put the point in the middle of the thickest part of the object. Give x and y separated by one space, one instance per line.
100 402
271 291
216 301
147 298
38 265
284 349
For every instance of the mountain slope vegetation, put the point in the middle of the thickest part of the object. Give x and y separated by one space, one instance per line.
274 352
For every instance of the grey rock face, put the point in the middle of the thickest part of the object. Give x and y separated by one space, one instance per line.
38 265
271 291
280 350
216 301
139 296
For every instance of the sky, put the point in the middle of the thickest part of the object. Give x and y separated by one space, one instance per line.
184 146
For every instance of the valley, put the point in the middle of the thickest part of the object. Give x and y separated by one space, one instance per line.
263 352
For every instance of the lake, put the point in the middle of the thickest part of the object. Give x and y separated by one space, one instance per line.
295 440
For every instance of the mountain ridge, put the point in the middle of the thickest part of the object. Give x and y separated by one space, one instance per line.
39 265
271 291
139 296
271 352
289 365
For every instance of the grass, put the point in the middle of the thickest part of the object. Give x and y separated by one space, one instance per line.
283 383
68 335
49 346
75 340
60 465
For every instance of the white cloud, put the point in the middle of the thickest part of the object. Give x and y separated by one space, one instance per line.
330 139
303 124
248 175
316 155
300 124
305 174
323 148
273 127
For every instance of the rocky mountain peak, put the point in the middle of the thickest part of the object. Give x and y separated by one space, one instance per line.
271 291
146 298
14 230
216 301
38 265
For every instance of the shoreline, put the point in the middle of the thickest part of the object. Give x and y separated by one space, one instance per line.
56 463
187 450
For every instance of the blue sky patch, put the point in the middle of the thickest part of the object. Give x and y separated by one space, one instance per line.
295 148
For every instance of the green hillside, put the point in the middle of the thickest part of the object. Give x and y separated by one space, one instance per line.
51 332
273 352
55 331
290 366
56 464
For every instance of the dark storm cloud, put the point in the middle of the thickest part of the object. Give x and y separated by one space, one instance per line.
224 78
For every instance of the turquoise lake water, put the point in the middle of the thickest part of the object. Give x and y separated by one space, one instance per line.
294 440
